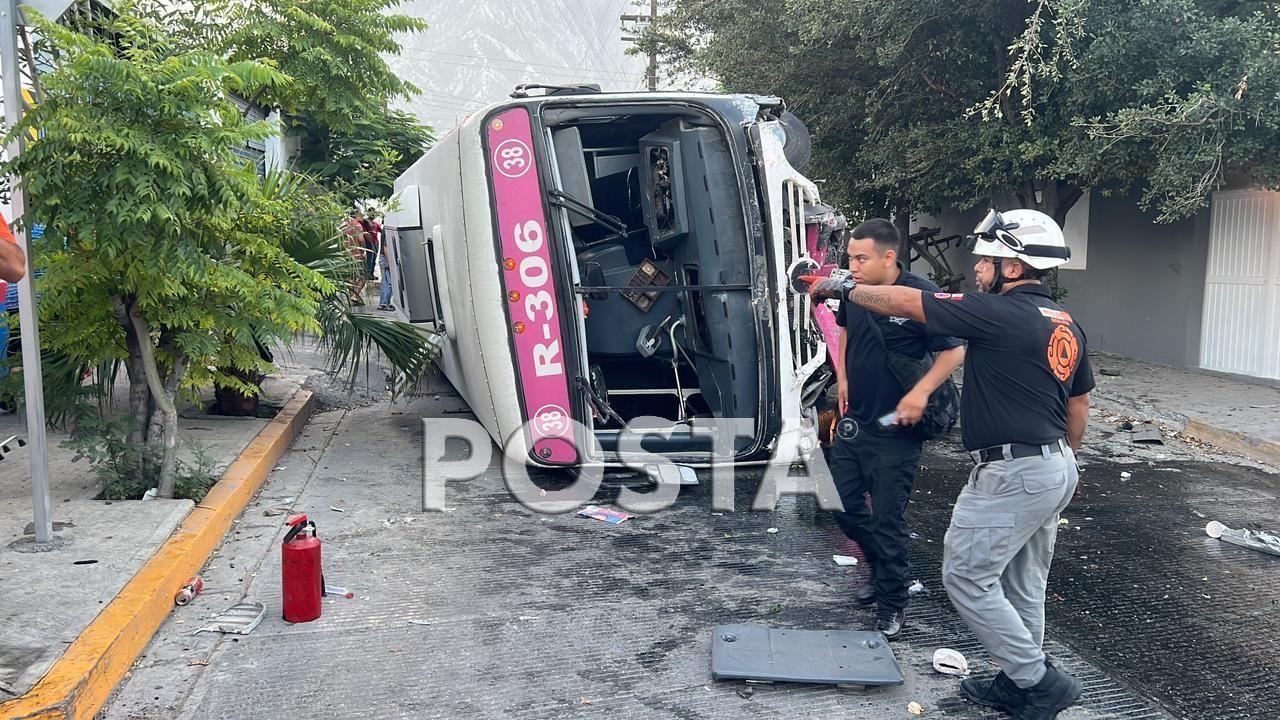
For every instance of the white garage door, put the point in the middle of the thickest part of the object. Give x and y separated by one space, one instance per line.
1242 285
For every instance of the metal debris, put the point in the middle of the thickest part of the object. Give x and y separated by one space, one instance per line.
1147 433
239 619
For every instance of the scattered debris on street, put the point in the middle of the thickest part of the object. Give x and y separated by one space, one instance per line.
669 474
338 591
609 515
188 591
1244 537
845 560
239 619
950 662
1147 433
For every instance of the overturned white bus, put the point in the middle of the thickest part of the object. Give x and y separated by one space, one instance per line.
592 258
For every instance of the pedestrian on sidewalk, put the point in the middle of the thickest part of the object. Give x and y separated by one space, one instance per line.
1023 415
879 460
384 266
353 238
370 237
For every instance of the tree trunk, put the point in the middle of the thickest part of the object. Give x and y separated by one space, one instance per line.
163 394
140 405
232 401
902 221
1056 198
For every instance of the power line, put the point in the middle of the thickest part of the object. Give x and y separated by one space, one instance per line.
603 42
651 18
599 72
597 47
465 99
488 62
585 74
453 104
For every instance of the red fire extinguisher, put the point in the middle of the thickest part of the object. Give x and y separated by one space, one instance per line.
301 577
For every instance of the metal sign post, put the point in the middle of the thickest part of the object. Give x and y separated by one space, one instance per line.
32 376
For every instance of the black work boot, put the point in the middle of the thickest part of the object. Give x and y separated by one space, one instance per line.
890 621
999 692
1055 692
866 595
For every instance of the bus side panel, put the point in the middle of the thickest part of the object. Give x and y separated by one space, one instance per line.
439 177
480 296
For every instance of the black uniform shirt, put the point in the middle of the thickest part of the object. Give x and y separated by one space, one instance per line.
873 390
1026 357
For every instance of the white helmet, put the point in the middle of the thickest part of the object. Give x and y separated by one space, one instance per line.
1028 235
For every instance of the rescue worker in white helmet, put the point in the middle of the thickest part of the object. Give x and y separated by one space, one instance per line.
1023 414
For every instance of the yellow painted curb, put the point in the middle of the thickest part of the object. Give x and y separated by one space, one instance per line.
1264 451
80 682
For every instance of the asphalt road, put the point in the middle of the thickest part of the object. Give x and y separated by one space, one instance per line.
488 610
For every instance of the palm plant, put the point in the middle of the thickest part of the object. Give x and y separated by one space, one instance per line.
348 337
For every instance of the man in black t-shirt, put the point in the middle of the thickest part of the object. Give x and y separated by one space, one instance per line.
1023 413
875 459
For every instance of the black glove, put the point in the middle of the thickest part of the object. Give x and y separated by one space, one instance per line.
828 287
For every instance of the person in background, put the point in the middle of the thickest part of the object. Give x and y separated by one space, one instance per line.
13 267
384 268
353 238
370 239
13 262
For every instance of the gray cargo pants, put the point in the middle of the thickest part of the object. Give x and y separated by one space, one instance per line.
997 553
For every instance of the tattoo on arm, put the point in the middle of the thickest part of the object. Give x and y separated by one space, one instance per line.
870 299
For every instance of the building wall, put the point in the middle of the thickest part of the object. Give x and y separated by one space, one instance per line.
1141 292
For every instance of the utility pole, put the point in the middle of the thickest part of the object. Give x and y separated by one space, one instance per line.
640 21
32 377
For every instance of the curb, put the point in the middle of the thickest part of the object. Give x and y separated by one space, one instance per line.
1264 451
1258 449
82 680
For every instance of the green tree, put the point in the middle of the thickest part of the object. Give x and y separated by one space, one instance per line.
332 49
1170 95
925 104
134 175
362 162
338 105
166 252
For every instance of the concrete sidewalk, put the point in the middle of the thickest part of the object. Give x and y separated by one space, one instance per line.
49 597
1234 414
